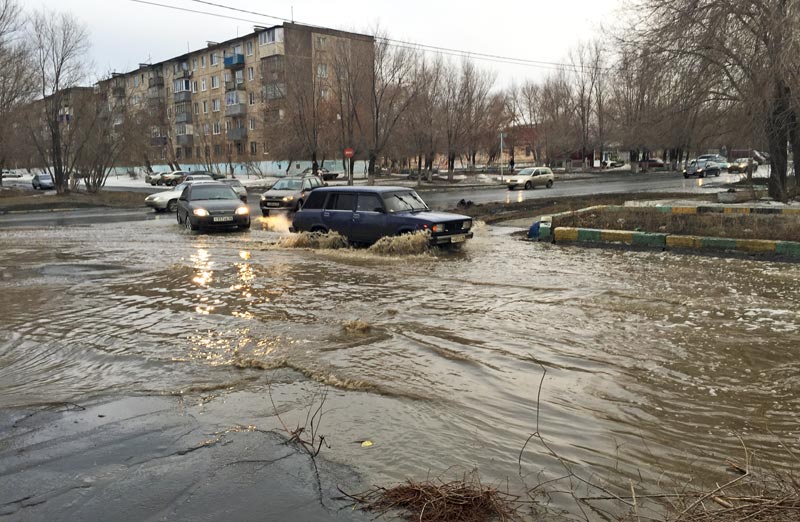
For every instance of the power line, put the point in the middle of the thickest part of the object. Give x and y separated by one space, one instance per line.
508 60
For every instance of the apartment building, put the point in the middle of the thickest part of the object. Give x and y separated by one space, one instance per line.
214 106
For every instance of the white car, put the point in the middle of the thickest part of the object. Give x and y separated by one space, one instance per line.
237 187
531 177
168 199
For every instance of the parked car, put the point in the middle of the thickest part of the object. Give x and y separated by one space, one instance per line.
211 205
192 176
237 187
154 177
743 165
11 173
214 175
289 193
720 160
613 163
42 181
325 174
168 199
172 178
651 163
701 168
531 177
366 214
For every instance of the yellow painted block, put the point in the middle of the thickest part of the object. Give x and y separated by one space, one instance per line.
566 234
622 236
683 242
737 210
684 210
795 211
755 245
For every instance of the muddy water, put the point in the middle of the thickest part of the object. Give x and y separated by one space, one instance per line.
655 362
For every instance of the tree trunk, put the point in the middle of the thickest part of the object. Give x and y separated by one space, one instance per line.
777 136
371 169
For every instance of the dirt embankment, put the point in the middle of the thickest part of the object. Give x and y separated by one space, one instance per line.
23 200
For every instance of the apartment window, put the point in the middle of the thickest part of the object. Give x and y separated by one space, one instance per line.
213 58
251 73
266 37
322 70
178 153
215 105
135 81
215 82
194 64
264 148
182 129
228 125
194 86
239 77
203 84
323 93
205 106
227 76
321 41
207 151
203 61
249 47
217 150
252 123
205 130
253 148
181 85
252 97
274 91
231 98
196 108
217 129
188 152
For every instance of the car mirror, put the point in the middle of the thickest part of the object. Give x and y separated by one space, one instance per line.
243 198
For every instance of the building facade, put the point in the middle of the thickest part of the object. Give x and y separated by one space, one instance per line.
215 106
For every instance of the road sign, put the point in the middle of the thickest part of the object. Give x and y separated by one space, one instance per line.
348 152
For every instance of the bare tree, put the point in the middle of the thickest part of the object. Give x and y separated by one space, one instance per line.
60 44
17 81
584 76
394 88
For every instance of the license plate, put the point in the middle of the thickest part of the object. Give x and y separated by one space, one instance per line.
221 219
458 239
273 204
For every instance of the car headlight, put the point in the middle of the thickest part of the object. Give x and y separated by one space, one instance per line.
438 227
699 170
288 198
241 211
150 198
467 225
263 197
200 212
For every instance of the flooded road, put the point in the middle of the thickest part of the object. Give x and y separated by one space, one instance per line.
655 362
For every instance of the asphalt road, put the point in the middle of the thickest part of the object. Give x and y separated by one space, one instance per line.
437 199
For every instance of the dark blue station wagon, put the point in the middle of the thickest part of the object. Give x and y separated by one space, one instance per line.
366 214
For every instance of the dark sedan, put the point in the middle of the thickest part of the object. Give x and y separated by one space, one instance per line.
366 214
212 205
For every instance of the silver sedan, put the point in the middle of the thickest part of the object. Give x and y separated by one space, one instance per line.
168 199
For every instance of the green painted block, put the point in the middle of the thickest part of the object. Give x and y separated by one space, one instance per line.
588 234
665 210
650 240
719 243
545 232
789 248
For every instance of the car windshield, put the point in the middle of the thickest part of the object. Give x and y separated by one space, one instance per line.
180 187
234 182
215 192
403 201
742 160
525 172
288 184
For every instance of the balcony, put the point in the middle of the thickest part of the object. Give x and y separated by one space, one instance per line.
118 92
158 141
183 117
231 85
237 109
238 134
155 93
185 140
157 81
183 96
183 74
235 61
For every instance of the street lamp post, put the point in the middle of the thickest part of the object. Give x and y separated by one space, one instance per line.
502 135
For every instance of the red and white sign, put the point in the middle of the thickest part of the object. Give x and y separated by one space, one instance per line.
348 152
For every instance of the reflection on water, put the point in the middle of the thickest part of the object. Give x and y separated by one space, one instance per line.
652 358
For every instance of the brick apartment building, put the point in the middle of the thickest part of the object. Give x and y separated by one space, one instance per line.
215 105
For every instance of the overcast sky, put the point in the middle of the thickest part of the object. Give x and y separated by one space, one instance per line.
125 33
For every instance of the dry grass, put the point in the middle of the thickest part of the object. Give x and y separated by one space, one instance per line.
739 226
494 212
25 200
464 500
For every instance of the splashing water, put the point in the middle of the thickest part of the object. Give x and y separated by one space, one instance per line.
315 240
278 223
406 244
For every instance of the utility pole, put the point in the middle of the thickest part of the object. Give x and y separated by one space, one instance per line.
502 135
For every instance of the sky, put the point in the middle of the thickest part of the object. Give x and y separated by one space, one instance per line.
125 33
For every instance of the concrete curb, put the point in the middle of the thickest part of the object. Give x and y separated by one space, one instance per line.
671 241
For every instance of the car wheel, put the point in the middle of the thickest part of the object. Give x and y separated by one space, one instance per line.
178 217
686 176
265 213
511 187
549 183
702 175
172 205
244 226
319 230
716 174
187 222
527 185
